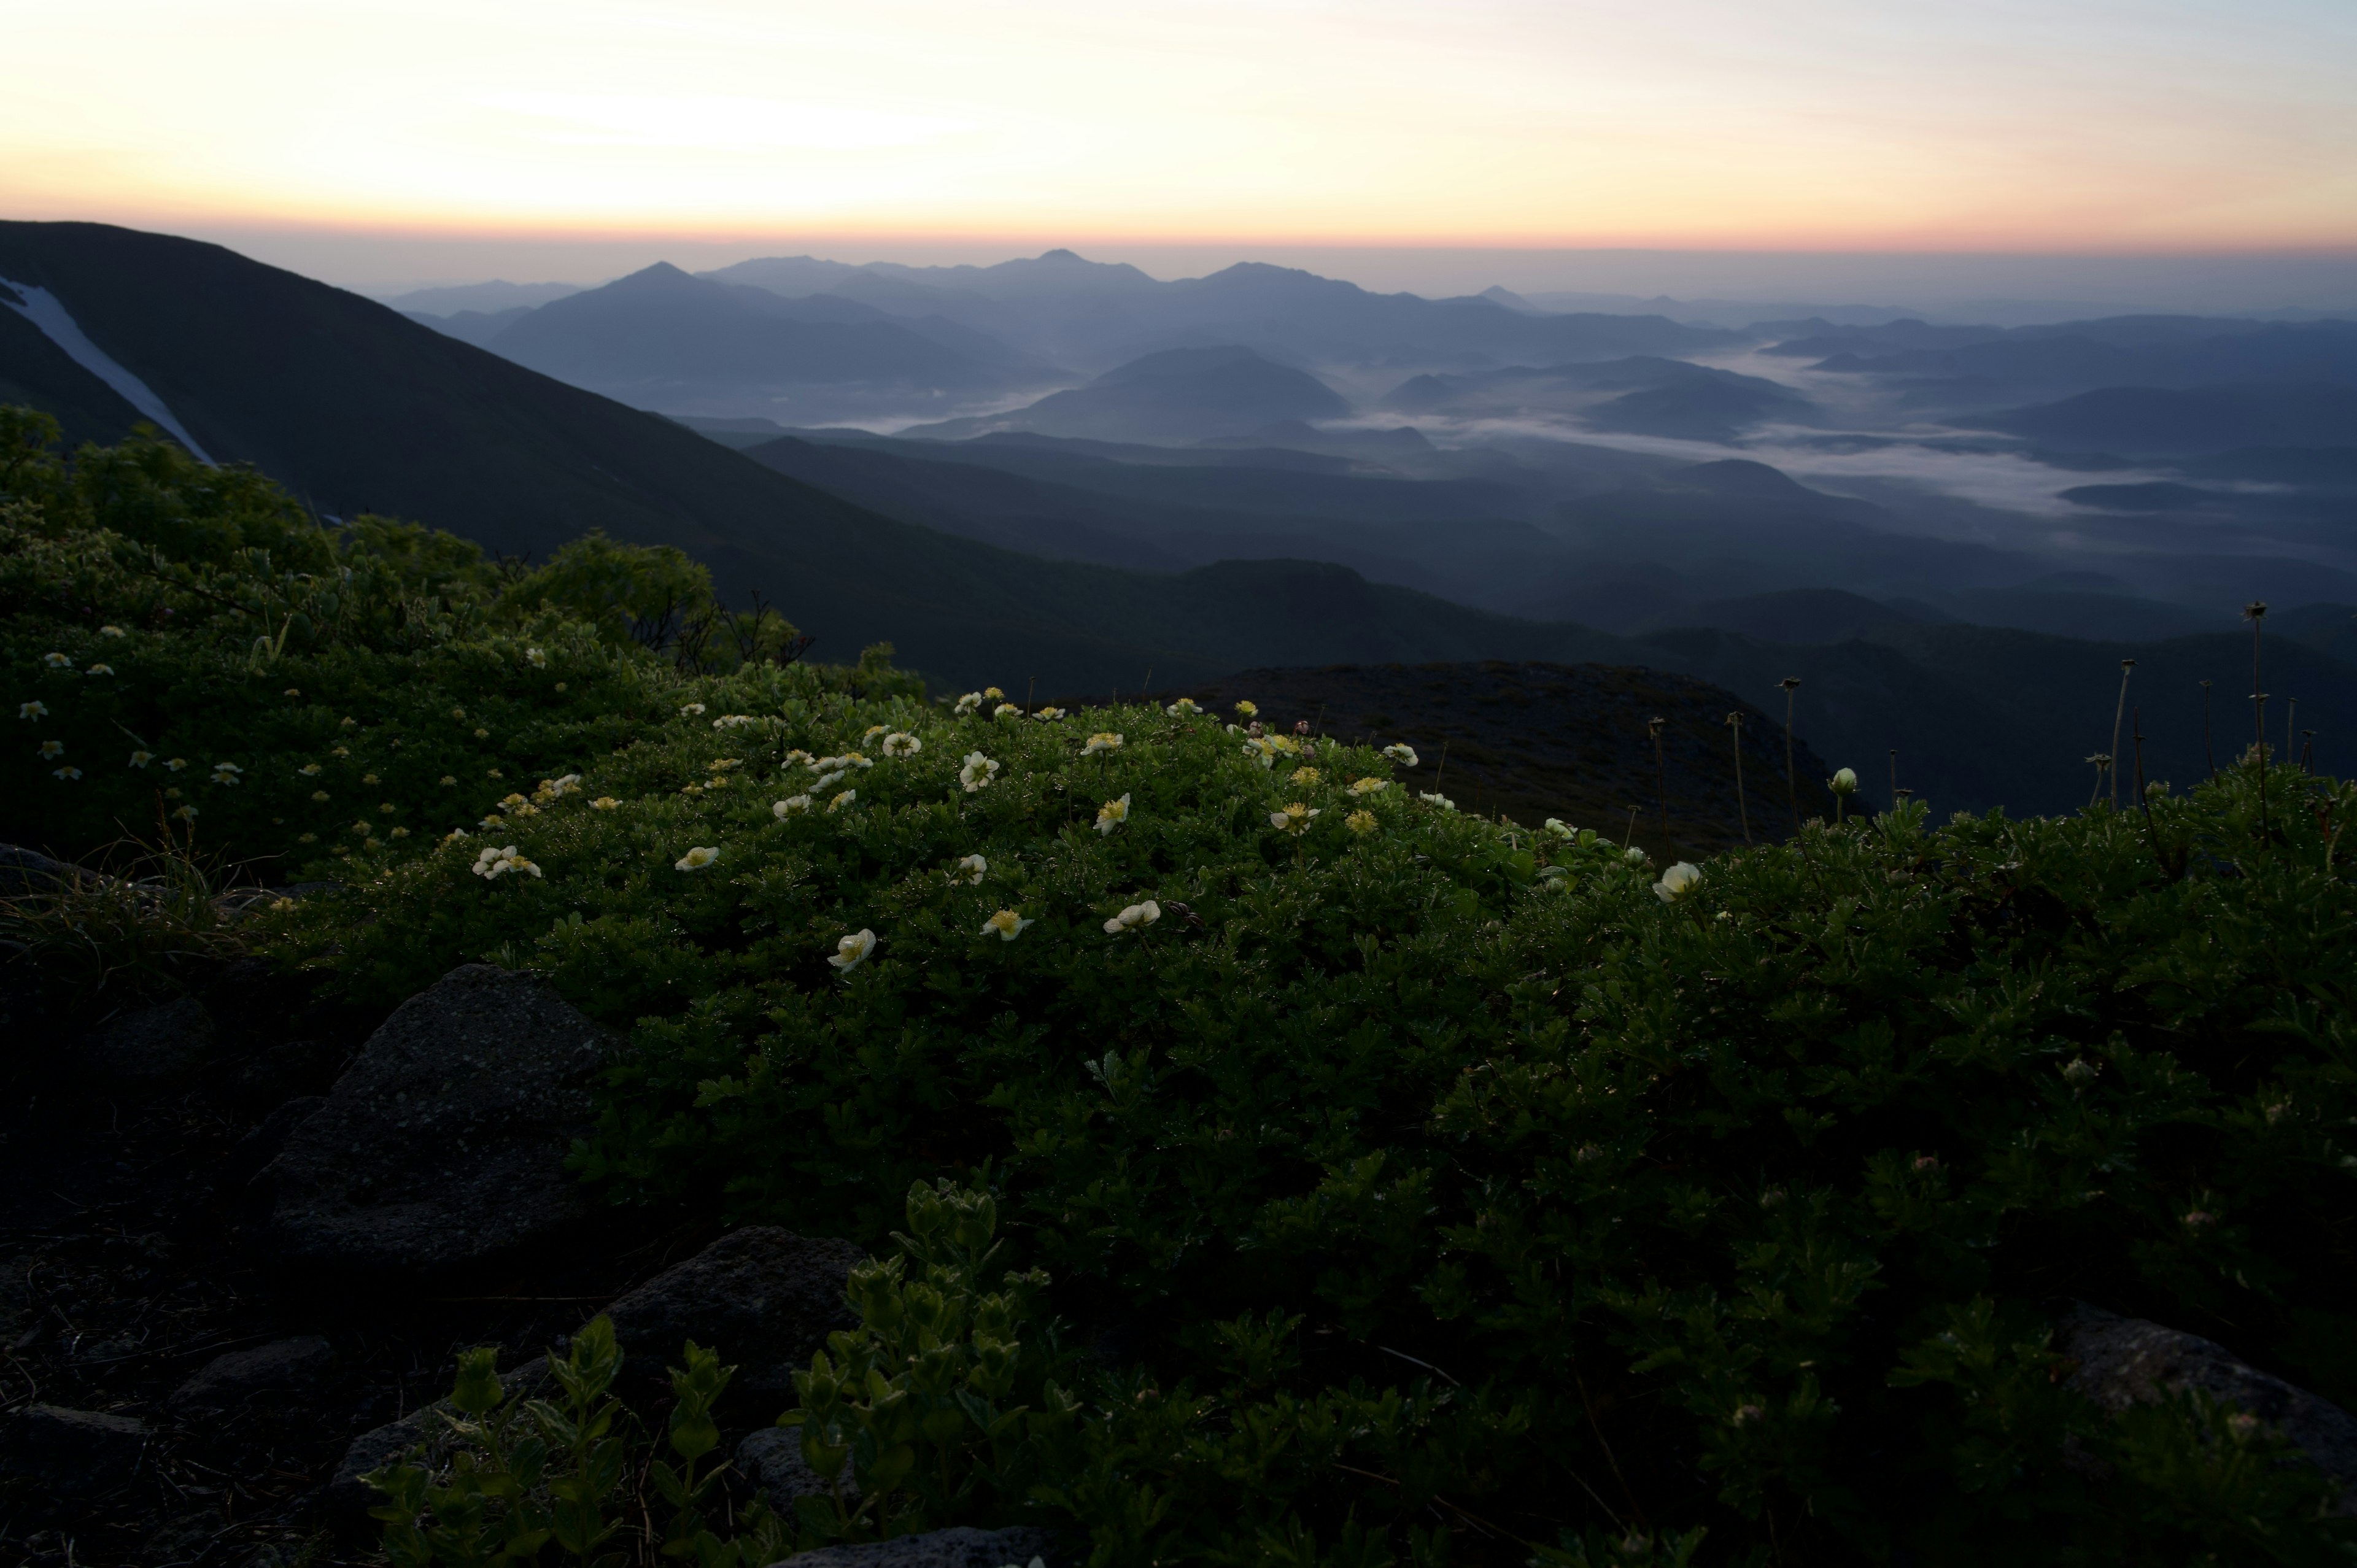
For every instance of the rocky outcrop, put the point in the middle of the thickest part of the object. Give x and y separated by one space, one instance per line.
69 1453
959 1548
281 1366
771 1459
442 1147
2122 1361
763 1297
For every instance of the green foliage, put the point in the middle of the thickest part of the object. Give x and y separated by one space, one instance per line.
181 645
1422 1189
907 1420
513 1476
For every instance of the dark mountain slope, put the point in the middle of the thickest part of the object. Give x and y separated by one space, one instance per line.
36 371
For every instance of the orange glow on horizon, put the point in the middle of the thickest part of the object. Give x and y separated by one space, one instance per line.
2170 126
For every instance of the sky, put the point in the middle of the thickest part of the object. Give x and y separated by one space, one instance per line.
941 128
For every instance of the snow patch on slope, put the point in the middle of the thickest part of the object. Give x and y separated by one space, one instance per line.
47 312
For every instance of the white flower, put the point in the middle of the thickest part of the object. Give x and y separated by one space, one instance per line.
102 669
1369 785
734 721
900 743
870 732
604 803
853 951
697 859
1259 746
1401 753
977 773
110 631
1634 855
1006 709
854 759
186 813
687 708
234 768
447 780
1293 819
57 662
53 748
1112 814
792 806
1247 710
1676 882
69 774
845 799
1008 924
489 825
1561 829
1183 706
968 703
142 758
1362 822
971 870
1442 801
798 758
721 764
492 864
32 710
309 770
1136 918
1105 740
829 778
1843 782
538 659
1049 714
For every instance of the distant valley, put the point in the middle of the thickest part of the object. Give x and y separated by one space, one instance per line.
1071 472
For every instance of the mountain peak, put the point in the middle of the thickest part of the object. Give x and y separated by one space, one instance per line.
1061 255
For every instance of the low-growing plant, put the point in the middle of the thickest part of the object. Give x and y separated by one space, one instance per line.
135 931
511 1477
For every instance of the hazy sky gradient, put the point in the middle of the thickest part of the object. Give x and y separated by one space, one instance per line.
2005 124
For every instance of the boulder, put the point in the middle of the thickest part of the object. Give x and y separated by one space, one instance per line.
144 1050
70 1452
24 871
959 1548
250 1155
2122 1361
442 1147
762 1296
281 1366
771 1459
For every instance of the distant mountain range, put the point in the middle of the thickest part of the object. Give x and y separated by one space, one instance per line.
1229 547
813 340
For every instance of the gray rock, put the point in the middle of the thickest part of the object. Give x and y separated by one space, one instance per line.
252 1152
773 1460
24 871
70 1452
147 1049
349 1497
442 1147
959 1548
284 1365
2123 1361
763 1297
